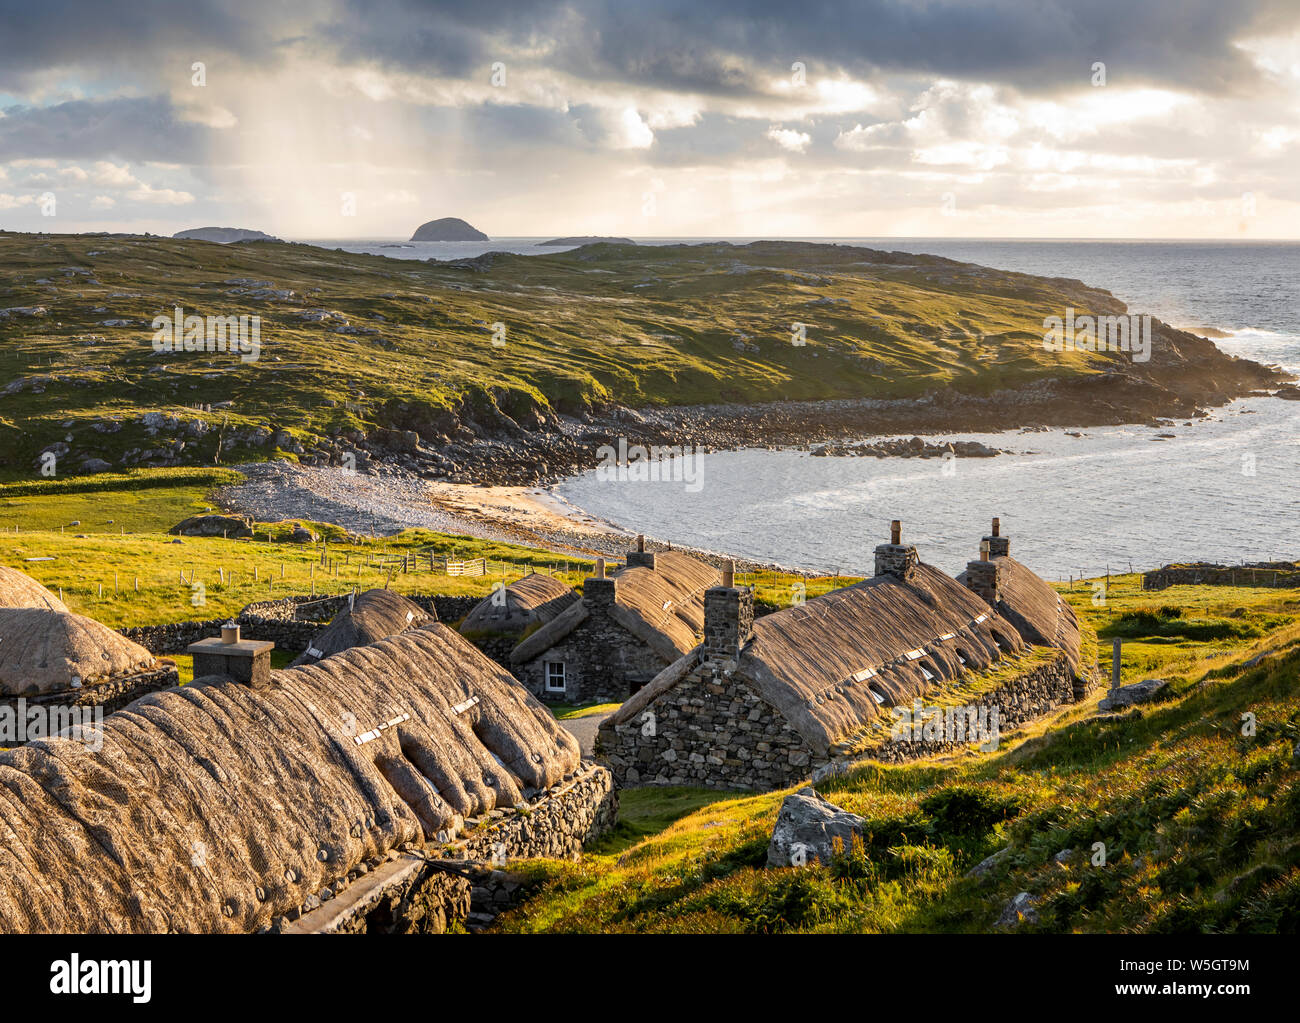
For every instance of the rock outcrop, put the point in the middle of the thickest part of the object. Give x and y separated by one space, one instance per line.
806 830
213 525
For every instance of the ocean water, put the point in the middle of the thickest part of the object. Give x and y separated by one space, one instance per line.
1226 488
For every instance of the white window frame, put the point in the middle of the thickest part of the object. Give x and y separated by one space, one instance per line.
564 677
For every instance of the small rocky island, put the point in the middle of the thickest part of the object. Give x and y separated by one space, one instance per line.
448 229
225 235
589 239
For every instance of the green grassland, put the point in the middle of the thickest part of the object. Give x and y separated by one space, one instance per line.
121 538
642 326
1200 823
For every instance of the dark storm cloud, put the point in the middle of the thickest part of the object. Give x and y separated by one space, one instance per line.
681 45
129 129
733 48
131 37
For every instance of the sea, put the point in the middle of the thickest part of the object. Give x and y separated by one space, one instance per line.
1076 503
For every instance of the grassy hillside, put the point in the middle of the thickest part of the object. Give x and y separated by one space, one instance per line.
1200 823
366 341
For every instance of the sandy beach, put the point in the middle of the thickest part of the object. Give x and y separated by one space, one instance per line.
389 501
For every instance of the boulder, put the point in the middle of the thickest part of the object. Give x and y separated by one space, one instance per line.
1019 910
301 534
806 829
1137 692
989 863
213 525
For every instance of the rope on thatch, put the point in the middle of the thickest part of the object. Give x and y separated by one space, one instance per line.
46 651
217 807
374 615
549 634
1037 611
663 607
533 599
18 589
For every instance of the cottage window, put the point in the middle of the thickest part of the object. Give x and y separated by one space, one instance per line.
555 677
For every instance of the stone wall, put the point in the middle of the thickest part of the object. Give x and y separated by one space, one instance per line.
290 622
604 663
716 732
110 695
1019 701
709 732
1281 575
403 892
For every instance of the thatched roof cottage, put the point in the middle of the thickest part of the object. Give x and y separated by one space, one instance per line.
224 807
622 633
761 704
526 604
52 657
370 617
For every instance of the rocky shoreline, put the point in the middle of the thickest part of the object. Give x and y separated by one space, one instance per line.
482 442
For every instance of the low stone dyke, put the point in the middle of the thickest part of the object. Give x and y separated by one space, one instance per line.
1018 701
431 887
290 622
105 697
1283 575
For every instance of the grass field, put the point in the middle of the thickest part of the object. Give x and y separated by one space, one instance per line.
120 541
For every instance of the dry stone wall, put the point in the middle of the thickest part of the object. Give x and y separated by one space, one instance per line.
289 622
402 892
719 733
709 732
1282 575
603 663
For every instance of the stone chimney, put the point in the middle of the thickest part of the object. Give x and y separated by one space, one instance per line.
896 558
244 660
728 617
640 558
999 545
982 575
598 591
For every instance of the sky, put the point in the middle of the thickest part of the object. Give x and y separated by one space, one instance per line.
654 118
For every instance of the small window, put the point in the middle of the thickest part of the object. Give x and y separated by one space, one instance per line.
555 676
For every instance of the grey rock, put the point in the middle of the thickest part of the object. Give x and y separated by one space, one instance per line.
808 824
1137 692
1019 910
986 865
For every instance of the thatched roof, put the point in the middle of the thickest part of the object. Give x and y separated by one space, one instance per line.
46 651
534 599
375 615
18 589
663 607
217 807
1036 610
842 659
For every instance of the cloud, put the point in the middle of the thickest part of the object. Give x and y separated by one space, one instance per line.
786 138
